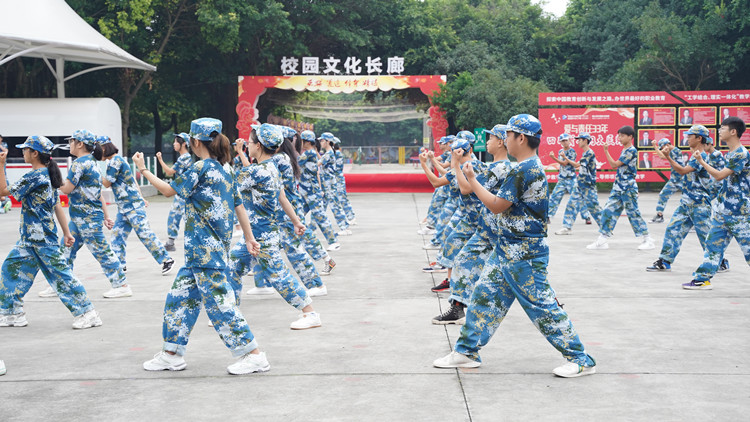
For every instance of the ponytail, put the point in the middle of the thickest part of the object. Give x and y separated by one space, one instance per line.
287 148
55 177
102 151
219 148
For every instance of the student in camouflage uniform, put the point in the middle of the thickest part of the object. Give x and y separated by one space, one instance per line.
39 248
731 216
210 195
695 204
624 194
440 195
312 194
88 213
328 180
566 177
131 207
717 161
341 183
180 145
262 191
468 264
584 196
517 269
673 185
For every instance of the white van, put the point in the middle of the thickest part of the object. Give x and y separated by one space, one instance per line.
57 119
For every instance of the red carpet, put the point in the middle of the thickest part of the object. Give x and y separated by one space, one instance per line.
387 182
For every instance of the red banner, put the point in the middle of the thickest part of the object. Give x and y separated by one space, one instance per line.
601 123
609 176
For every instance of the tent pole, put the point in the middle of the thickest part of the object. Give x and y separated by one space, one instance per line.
60 76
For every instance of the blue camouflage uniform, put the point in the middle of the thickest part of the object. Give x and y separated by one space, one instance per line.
694 211
312 194
292 244
624 195
131 212
87 218
731 215
38 249
438 199
517 269
674 184
260 186
584 196
470 261
329 180
341 186
178 204
566 182
210 195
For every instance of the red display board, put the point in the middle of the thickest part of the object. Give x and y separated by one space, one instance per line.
649 160
656 116
705 116
582 99
743 112
601 123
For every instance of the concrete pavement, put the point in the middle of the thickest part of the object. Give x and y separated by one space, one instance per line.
663 353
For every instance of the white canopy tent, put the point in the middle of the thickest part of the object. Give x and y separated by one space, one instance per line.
51 30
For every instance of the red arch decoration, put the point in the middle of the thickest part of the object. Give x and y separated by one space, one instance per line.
252 87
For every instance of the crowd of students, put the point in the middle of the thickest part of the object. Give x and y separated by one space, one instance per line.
275 184
488 222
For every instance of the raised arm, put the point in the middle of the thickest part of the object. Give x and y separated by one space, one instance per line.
490 200
159 184
169 171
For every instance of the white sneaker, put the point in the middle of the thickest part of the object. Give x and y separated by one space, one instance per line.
345 232
426 231
114 293
455 360
17 320
164 361
307 320
2 368
88 320
249 364
352 222
261 291
600 243
564 231
48 292
334 246
572 370
646 244
317 291
431 247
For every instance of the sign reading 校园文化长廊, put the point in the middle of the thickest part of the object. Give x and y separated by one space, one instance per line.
334 66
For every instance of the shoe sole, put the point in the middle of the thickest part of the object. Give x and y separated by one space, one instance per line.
94 325
257 371
444 270
14 325
589 371
439 290
306 328
657 270
460 365
47 296
460 321
564 234
698 287
117 296
170 368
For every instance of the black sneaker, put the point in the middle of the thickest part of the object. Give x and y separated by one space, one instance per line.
169 246
443 286
724 266
588 221
124 269
658 219
166 266
454 315
660 265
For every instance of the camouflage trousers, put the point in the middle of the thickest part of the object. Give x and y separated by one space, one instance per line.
468 266
502 283
465 228
444 221
666 192
20 269
270 268
613 208
684 218
335 203
302 263
316 205
582 200
197 287
436 205
341 189
90 233
723 229
563 186
136 220
175 216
